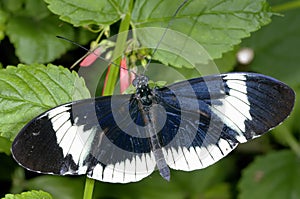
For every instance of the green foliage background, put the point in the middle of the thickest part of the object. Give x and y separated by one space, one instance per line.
268 167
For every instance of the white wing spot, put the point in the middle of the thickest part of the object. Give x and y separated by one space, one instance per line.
97 172
224 146
130 169
60 133
119 172
234 109
81 143
58 110
237 76
108 173
67 140
192 159
59 119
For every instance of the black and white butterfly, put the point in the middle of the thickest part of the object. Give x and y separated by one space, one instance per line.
185 126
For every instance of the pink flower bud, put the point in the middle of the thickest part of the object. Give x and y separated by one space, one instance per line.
91 58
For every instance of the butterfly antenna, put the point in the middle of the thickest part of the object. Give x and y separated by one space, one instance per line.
165 32
90 51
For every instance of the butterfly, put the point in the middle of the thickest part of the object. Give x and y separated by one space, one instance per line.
186 126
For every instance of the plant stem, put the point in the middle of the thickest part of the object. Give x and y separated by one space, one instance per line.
292 142
117 54
88 189
112 78
284 134
286 6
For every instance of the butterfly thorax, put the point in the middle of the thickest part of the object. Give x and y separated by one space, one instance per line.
143 91
144 94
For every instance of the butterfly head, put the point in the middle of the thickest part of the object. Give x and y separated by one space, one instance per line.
140 81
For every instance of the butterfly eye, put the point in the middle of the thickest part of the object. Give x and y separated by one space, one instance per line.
135 81
144 80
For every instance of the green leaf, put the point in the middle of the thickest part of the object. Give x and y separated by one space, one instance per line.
276 48
12 5
208 26
26 91
35 40
220 191
29 195
292 122
18 180
3 18
59 187
275 175
5 145
227 62
215 25
28 8
32 29
80 13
